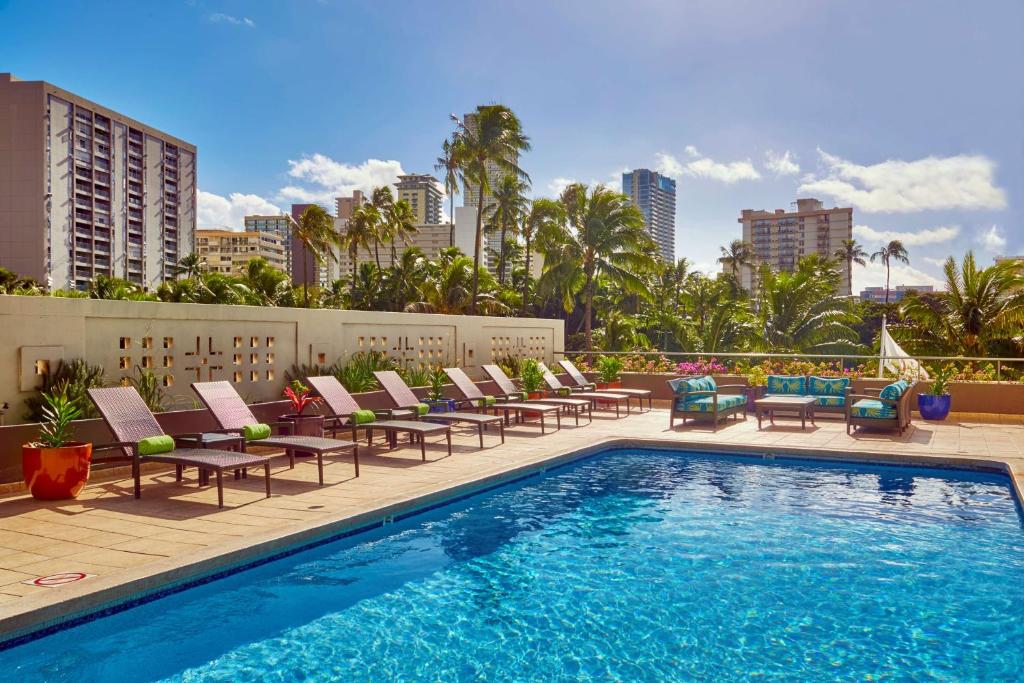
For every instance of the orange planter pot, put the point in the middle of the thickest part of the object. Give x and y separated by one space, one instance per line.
617 384
535 394
56 473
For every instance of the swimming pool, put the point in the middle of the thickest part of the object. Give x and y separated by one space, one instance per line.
631 565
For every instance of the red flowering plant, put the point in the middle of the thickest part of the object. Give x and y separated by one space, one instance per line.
299 394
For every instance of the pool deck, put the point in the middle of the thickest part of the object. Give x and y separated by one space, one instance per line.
176 533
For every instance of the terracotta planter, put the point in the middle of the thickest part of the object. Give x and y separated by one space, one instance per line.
601 385
617 384
56 473
534 394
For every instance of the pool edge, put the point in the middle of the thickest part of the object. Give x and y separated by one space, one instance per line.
37 616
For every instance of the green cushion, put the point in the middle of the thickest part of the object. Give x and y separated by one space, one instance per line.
787 384
422 409
487 401
893 391
154 445
256 432
679 386
872 409
520 396
564 391
706 404
830 401
827 386
362 417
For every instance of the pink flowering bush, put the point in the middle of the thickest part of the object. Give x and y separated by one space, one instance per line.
700 367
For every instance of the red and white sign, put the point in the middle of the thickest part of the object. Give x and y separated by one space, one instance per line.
54 580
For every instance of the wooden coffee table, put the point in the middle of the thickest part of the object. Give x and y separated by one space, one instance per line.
801 405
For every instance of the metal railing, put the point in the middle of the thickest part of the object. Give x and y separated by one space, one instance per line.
842 358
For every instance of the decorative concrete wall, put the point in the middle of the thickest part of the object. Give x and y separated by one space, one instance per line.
250 346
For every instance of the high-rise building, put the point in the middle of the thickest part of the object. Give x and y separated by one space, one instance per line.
423 195
345 206
430 238
87 191
230 251
655 196
877 294
781 238
305 268
471 198
279 226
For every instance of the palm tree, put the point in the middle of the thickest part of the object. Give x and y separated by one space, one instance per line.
510 204
604 238
190 265
716 321
383 200
448 287
979 307
401 222
737 256
452 177
268 285
894 250
493 137
849 253
315 230
545 215
361 232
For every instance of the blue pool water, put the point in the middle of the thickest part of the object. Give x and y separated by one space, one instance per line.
633 565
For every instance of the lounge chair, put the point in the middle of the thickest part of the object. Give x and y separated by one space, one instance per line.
580 380
890 409
344 409
403 398
233 415
509 390
475 398
132 423
592 397
700 398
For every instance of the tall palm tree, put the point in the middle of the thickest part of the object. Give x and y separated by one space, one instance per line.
447 164
401 222
737 256
315 230
604 238
979 307
383 200
893 251
849 253
190 265
545 215
510 204
361 233
493 137
268 285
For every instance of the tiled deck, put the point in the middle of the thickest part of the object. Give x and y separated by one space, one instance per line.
109 534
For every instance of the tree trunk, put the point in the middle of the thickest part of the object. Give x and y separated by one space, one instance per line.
587 306
478 244
526 279
376 252
501 257
354 254
887 282
451 217
305 275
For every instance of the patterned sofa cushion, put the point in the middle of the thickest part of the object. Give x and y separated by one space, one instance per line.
830 401
872 409
894 391
787 384
827 386
683 386
706 404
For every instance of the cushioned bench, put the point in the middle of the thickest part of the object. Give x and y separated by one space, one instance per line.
830 393
700 398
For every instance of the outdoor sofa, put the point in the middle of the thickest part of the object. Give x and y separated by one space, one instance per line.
702 399
830 393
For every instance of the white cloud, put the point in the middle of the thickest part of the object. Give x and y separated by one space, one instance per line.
933 183
701 166
943 233
556 186
937 262
221 18
782 164
873 275
215 211
711 269
326 178
993 240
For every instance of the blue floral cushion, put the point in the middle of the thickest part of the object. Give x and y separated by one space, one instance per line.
683 386
830 401
827 386
787 384
872 408
706 404
894 390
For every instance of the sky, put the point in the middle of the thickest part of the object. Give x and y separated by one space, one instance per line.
911 112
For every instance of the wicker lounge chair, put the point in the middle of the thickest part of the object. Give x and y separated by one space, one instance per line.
403 398
232 414
342 406
563 392
130 420
473 397
580 380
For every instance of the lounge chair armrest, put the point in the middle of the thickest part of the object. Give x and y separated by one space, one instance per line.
868 397
741 387
116 445
871 389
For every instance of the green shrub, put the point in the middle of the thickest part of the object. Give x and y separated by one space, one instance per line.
148 384
417 375
531 376
357 374
608 368
76 376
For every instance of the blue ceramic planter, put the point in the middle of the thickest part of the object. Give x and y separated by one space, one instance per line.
446 405
934 407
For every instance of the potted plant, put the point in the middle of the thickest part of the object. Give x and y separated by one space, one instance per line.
608 369
935 404
435 396
302 424
531 378
55 466
757 378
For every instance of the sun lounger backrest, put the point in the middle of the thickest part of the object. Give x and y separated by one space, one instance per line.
505 385
574 372
396 388
463 383
126 414
334 394
550 378
224 403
